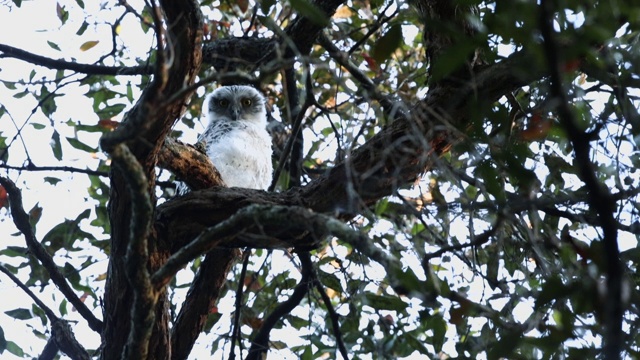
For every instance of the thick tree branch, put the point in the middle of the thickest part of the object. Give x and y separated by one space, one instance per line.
600 198
137 256
89 69
201 298
256 226
21 220
143 131
50 350
189 164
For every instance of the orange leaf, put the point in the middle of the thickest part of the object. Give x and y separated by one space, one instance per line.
253 322
343 12
243 5
3 196
538 128
108 124
570 65
373 65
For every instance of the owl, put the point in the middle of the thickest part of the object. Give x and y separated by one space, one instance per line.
236 139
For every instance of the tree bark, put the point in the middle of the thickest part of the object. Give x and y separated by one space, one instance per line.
144 130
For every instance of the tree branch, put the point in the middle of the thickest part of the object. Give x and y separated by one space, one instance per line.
89 69
333 316
189 164
235 327
256 226
249 53
260 343
600 198
392 108
479 240
31 167
202 296
21 220
143 131
62 337
137 256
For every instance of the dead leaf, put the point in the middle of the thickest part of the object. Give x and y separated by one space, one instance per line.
88 45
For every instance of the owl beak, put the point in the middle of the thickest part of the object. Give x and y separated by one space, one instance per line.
234 115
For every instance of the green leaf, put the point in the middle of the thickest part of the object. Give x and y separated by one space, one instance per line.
37 311
387 44
111 111
52 180
307 354
56 146
129 92
212 319
14 349
310 11
14 251
331 281
63 14
47 103
266 5
38 126
81 146
65 234
20 314
3 341
17 2
63 307
53 45
82 28
34 214
385 302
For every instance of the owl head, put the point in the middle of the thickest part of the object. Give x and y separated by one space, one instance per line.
237 103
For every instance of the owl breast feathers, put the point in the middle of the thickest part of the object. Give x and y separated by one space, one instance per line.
236 138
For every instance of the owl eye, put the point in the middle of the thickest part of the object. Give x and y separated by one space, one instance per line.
223 103
246 102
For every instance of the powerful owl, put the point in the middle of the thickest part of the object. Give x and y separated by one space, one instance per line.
236 139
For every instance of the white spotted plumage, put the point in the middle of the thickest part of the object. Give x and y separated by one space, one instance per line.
236 138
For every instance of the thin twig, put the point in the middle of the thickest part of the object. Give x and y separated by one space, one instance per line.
61 335
260 343
90 69
21 220
305 259
31 167
235 330
47 311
